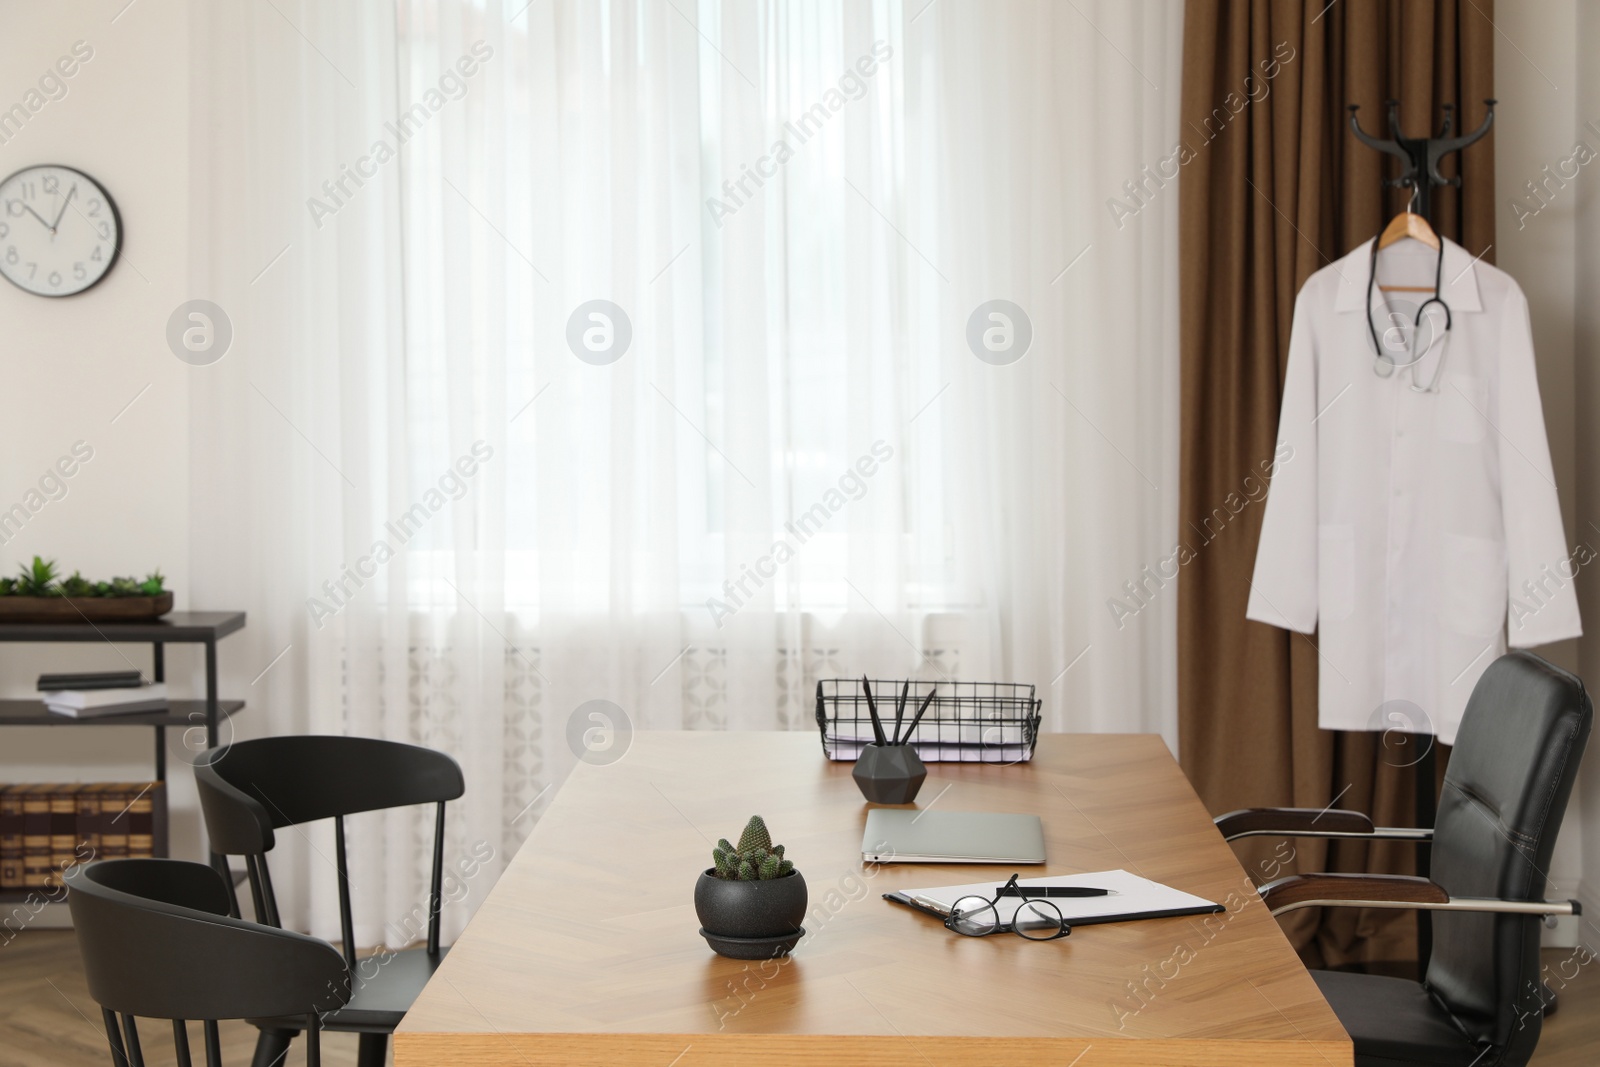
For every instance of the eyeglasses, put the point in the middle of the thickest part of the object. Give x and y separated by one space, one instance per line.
1036 920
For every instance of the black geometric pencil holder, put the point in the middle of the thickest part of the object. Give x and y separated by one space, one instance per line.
889 774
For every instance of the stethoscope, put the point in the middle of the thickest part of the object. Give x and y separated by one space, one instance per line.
1388 357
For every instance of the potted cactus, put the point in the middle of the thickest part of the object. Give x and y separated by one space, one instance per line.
751 899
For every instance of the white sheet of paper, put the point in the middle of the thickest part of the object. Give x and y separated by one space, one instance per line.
1131 895
841 749
937 741
933 732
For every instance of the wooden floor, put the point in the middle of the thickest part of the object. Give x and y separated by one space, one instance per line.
48 1020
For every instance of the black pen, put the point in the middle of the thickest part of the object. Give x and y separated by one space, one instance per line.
1050 891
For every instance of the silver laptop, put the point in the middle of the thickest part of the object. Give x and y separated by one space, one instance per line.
895 835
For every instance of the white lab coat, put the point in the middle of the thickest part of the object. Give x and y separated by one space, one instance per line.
1404 524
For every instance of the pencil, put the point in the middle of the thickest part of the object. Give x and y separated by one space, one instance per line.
900 711
918 716
872 708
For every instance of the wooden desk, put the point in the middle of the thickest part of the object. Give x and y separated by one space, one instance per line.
586 952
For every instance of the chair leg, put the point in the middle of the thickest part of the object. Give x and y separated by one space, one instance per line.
180 1043
373 1050
119 1052
313 1040
131 1032
272 1048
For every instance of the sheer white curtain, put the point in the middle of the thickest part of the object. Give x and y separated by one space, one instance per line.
467 511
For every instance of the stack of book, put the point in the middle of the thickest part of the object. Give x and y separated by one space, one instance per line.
93 695
45 829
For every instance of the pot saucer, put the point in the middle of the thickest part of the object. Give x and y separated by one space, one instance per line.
752 948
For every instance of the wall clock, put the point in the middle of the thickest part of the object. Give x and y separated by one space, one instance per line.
59 230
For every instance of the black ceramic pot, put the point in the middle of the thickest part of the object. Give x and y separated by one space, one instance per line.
750 920
889 774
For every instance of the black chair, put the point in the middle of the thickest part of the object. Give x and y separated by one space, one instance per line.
1510 776
252 788
157 942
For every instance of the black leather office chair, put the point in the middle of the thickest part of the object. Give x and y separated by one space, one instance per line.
157 942
252 788
1511 772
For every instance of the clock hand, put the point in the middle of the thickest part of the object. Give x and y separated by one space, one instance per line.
36 215
63 210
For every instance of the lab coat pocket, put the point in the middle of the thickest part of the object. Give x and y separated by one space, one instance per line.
1472 584
1463 409
1336 573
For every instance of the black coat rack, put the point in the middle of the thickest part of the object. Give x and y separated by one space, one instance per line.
1421 156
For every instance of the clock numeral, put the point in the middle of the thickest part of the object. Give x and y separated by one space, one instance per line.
55 278
78 272
52 184
94 207
33 268
5 230
28 190
95 255
11 254
104 229
15 208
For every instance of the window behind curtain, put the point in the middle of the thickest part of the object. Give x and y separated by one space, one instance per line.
840 157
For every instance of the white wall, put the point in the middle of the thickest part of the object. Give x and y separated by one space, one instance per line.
72 365
1548 242
1586 233
1536 76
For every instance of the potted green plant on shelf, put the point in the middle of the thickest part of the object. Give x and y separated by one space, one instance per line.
39 594
751 899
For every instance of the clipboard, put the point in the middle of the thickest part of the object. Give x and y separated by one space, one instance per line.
1132 898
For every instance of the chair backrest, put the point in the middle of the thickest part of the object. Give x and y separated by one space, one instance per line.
1510 775
251 788
157 942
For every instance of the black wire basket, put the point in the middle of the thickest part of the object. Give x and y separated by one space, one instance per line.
968 722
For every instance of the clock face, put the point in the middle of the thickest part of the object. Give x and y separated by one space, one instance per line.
59 230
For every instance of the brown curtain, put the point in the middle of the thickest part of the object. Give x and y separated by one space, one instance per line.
1277 187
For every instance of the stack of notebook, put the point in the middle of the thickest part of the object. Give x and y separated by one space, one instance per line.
92 695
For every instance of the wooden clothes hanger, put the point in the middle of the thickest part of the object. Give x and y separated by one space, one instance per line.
1408 224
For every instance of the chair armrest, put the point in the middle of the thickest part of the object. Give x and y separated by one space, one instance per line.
1308 890
1250 822
1311 822
1392 891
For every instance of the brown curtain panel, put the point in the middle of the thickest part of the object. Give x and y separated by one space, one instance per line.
1275 187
